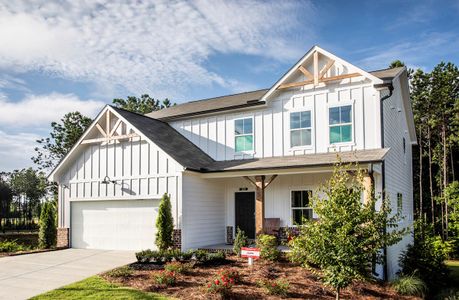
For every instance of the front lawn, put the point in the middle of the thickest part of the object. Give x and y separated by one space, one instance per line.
97 288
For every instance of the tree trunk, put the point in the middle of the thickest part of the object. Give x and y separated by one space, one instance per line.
420 173
429 145
445 175
337 294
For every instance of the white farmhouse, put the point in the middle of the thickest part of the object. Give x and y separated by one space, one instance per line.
247 160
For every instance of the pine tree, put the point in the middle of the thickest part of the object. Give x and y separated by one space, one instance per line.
47 234
164 224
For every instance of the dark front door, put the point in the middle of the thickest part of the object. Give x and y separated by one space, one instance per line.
245 213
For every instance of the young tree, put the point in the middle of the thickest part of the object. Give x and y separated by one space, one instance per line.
348 234
47 235
164 224
143 105
62 138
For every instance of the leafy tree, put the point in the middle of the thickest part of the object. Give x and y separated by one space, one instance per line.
62 138
47 235
164 224
143 105
398 63
348 235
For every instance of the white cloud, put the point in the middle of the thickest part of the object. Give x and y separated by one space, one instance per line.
147 46
16 150
41 110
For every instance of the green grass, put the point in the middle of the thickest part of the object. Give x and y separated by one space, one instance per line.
453 265
97 288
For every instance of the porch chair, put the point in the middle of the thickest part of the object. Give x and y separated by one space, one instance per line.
272 226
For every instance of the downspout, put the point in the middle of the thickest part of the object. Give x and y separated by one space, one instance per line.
383 170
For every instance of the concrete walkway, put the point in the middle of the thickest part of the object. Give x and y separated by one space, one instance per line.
24 276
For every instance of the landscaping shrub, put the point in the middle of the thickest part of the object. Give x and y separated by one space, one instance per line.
422 259
124 272
11 246
277 287
230 274
178 267
164 224
240 241
268 246
155 256
220 285
166 278
48 233
410 285
214 258
200 255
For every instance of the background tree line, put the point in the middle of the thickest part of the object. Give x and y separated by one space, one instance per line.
435 103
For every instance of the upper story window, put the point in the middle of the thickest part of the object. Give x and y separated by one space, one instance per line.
340 122
300 128
243 134
399 203
301 206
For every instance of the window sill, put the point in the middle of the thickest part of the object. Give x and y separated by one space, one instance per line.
297 148
341 144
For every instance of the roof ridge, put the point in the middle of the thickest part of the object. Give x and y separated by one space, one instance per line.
217 97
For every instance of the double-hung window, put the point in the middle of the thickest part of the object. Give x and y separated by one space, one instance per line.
301 206
243 133
300 128
340 122
399 203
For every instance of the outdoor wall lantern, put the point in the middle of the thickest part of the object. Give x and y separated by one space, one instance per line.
108 181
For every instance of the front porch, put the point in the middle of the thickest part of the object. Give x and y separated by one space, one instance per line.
261 200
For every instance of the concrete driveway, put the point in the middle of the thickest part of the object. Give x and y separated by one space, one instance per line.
24 276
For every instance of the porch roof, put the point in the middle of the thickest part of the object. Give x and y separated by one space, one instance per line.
298 161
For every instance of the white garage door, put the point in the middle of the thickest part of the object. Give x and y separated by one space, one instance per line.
114 225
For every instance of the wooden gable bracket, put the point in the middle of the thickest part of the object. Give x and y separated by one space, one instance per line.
109 133
318 76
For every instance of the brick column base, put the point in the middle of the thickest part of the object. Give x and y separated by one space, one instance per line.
177 238
62 238
229 235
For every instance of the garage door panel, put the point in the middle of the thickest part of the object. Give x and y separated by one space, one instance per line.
115 224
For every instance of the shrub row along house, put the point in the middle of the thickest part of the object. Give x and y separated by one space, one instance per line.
244 160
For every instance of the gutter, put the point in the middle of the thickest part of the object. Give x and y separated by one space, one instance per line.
390 87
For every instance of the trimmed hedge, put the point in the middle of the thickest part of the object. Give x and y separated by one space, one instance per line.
161 257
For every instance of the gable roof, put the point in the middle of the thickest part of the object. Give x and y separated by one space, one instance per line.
168 139
209 105
242 100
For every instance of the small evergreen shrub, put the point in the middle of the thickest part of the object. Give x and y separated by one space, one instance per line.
159 257
164 224
165 278
410 286
48 233
277 287
121 272
11 246
268 247
240 241
200 255
215 258
178 267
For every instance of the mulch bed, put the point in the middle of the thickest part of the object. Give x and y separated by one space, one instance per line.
303 284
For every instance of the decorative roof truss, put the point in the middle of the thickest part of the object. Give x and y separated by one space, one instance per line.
115 130
319 75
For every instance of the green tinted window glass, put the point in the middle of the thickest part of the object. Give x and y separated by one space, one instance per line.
346 134
335 134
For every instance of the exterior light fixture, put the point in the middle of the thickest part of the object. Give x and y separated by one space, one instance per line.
108 181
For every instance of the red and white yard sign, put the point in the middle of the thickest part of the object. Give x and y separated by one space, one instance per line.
250 253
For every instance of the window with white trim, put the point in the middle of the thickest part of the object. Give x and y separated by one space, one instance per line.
399 203
301 206
300 128
243 134
340 122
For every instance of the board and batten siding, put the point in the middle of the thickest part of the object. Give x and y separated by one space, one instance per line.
203 211
215 134
140 168
398 168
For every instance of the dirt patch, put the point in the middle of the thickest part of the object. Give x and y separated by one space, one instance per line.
303 284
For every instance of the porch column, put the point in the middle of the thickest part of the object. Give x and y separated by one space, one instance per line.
259 204
368 185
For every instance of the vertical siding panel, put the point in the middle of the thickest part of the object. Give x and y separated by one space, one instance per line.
213 144
268 130
259 132
221 138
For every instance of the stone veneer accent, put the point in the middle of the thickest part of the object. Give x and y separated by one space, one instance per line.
62 237
229 235
177 239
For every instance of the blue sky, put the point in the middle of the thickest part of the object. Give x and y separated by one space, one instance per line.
66 56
